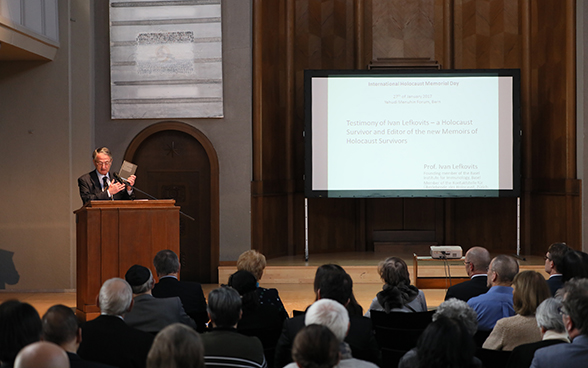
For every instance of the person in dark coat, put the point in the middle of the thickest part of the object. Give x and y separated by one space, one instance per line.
477 260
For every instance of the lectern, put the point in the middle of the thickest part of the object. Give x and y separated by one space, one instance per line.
111 236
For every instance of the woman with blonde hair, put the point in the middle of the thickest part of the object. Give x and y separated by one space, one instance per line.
530 289
397 294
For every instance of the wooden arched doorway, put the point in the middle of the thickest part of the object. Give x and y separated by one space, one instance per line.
177 161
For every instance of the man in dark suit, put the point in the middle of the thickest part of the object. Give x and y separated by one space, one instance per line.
553 261
575 319
108 339
60 326
167 267
477 260
152 314
361 339
552 330
100 184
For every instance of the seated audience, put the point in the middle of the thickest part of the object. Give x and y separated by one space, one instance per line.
254 262
176 346
337 286
223 345
353 307
397 295
454 309
20 325
476 264
552 330
553 260
152 314
497 303
530 290
107 338
60 326
574 265
446 342
41 354
575 318
315 346
167 266
329 313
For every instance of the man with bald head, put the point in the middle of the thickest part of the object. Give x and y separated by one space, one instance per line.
497 302
41 354
477 260
108 339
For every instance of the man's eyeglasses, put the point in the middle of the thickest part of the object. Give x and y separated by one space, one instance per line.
562 311
103 163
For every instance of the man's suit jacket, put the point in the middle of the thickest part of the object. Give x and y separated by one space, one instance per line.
360 338
468 289
555 283
109 340
574 355
152 314
190 294
76 362
522 355
91 188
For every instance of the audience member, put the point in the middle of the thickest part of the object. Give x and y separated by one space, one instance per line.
552 329
353 307
446 342
167 267
20 325
254 262
575 318
397 295
108 339
315 346
41 354
223 345
337 286
152 314
60 326
331 314
553 261
530 290
176 346
574 264
497 303
476 264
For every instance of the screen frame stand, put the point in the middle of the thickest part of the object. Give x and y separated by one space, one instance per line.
305 229
518 255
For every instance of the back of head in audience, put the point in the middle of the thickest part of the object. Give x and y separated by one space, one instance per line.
574 264
548 317
60 326
502 270
394 271
530 290
140 279
20 325
337 286
329 313
575 307
246 284
224 307
315 346
42 354
445 343
252 261
115 297
478 259
554 257
459 310
166 262
325 272
176 346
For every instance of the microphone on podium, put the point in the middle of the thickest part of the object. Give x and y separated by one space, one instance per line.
121 180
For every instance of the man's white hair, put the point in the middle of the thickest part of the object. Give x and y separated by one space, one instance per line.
331 314
115 296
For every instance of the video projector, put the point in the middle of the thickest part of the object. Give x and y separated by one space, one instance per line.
446 251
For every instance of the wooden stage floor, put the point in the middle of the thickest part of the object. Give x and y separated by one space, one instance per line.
293 278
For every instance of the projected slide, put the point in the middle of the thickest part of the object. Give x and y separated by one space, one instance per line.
382 133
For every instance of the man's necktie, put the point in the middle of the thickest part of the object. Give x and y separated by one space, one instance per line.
104 183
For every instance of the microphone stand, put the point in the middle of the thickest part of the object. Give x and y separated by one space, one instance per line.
126 183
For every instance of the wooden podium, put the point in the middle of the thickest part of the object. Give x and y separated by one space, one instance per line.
111 236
